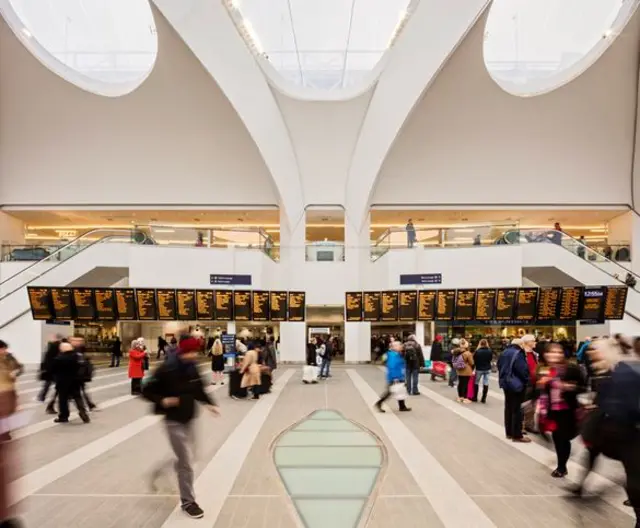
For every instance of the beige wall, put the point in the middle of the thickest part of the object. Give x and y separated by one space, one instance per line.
468 141
176 139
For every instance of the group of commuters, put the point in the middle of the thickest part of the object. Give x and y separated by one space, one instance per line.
320 353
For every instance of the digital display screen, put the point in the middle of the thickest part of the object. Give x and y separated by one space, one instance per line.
125 304
527 304
85 307
485 304
105 304
166 305
371 306
570 303
445 305
615 302
593 302
505 304
278 305
146 304
297 306
40 300
224 305
389 306
465 305
549 304
186 305
427 305
260 305
205 303
242 305
61 301
353 306
408 305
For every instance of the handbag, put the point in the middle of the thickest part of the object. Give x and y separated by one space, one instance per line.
399 391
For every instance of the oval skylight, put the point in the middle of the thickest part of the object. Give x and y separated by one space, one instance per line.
534 46
106 47
327 46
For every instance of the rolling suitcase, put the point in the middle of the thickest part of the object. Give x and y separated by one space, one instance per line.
235 380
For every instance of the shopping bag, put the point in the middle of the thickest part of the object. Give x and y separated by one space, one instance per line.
439 368
309 374
471 388
399 391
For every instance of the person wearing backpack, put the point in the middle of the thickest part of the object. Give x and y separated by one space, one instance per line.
514 378
462 362
325 352
414 360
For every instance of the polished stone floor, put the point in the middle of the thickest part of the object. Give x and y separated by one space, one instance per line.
443 464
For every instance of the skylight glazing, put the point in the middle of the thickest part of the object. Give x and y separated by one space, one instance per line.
534 46
326 45
104 46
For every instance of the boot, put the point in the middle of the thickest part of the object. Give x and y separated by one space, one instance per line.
475 394
485 391
403 406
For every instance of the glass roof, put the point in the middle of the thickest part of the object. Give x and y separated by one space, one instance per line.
321 44
532 46
105 41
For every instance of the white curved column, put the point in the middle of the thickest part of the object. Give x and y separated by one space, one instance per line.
431 36
205 26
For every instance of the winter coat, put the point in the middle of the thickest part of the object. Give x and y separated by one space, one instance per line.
468 360
250 369
136 363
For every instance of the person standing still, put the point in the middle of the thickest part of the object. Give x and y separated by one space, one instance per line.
414 360
116 352
174 388
136 366
514 378
411 233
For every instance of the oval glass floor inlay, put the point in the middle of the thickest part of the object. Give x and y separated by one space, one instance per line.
329 466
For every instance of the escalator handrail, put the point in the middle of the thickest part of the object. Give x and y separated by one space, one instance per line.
128 232
99 241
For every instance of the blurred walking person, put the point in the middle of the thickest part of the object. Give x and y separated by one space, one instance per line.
46 368
116 352
65 368
85 370
174 388
136 366
396 374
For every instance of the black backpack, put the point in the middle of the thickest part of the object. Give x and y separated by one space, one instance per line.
410 353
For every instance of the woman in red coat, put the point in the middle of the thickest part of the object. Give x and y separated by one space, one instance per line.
136 370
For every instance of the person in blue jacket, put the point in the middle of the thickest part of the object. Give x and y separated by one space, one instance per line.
514 377
396 369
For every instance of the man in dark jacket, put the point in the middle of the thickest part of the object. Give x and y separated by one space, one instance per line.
414 360
116 352
514 377
46 367
65 371
436 354
174 389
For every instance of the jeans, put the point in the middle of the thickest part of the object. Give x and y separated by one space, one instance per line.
325 367
453 377
413 378
182 440
482 376
513 413
115 360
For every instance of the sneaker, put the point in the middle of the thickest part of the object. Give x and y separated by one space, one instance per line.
193 510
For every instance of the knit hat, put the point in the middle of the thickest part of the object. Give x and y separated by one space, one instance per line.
191 344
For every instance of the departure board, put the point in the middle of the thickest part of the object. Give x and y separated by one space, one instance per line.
242 305
427 305
224 305
61 301
105 304
485 304
40 300
297 306
205 304
84 303
465 305
353 306
371 306
166 304
505 304
186 305
570 303
445 305
615 302
592 304
125 304
527 306
260 305
548 304
389 306
146 304
278 305
408 305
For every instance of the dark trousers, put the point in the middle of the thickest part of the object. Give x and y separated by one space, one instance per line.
136 386
115 360
565 431
513 413
463 385
65 393
45 390
87 399
52 404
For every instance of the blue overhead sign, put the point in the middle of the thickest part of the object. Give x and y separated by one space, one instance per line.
230 280
425 278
